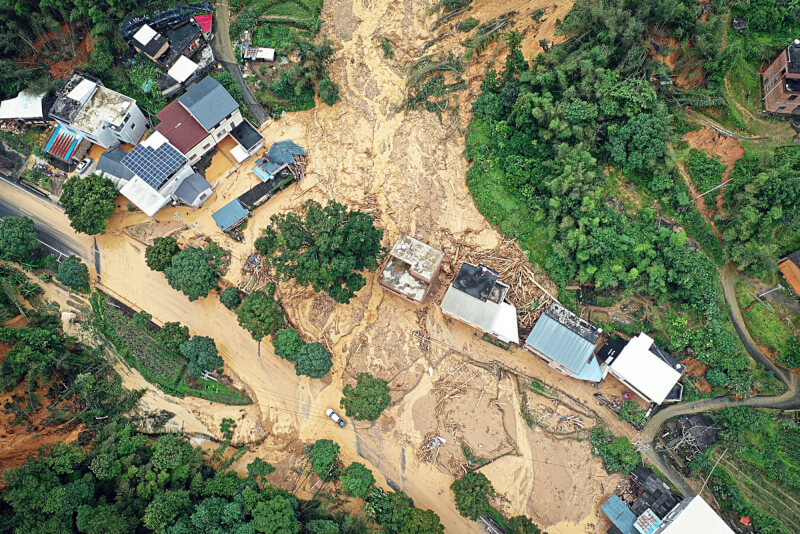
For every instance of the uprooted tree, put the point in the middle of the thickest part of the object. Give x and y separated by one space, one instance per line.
324 248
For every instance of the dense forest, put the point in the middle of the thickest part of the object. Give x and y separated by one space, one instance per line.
554 142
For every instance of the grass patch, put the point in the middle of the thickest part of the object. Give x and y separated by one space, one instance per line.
767 328
164 368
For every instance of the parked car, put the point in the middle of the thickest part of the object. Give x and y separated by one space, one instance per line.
335 416
84 165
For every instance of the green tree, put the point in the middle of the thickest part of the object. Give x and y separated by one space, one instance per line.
391 510
172 335
422 522
521 524
158 256
357 480
260 314
313 360
618 453
202 354
140 319
324 454
259 470
328 91
73 272
89 202
165 508
231 297
275 516
17 238
716 377
368 399
472 493
192 273
287 343
324 248
322 526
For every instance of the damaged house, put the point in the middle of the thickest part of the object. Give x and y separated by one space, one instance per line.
410 268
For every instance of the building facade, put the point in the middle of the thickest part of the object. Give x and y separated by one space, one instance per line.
780 82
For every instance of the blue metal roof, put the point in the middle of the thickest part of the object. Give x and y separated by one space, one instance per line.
564 346
230 214
619 514
283 152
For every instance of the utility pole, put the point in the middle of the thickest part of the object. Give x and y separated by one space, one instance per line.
779 286
712 470
712 189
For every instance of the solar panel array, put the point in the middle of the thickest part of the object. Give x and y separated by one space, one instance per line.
154 166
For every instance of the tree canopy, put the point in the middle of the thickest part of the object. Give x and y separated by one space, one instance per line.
191 271
324 455
324 248
313 360
287 344
172 335
368 399
231 297
260 314
17 238
158 256
73 273
357 480
472 493
89 203
202 354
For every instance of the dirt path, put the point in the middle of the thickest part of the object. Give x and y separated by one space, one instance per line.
708 122
790 400
223 51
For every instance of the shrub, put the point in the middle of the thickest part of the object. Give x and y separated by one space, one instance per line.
287 343
618 454
328 91
202 354
172 335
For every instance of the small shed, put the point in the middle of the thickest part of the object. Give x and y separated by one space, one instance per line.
230 215
790 268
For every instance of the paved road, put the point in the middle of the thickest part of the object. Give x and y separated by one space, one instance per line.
790 400
223 51
46 216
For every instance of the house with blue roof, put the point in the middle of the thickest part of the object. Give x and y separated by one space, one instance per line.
566 343
230 215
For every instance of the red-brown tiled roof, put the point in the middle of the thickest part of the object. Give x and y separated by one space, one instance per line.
791 271
178 125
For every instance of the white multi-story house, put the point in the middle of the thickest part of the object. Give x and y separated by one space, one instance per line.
88 110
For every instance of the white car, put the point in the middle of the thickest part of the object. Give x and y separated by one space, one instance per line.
83 165
335 416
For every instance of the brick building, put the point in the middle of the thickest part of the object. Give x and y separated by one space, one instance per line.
780 82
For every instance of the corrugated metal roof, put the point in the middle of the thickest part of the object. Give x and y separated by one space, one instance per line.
561 344
791 271
180 127
500 320
619 514
230 214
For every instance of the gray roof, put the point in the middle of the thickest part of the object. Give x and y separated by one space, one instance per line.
565 338
208 102
191 188
283 152
110 162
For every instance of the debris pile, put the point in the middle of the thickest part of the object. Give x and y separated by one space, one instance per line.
255 274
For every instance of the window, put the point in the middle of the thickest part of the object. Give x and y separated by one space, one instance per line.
221 133
202 197
205 147
792 97
133 126
781 108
